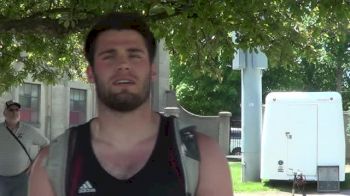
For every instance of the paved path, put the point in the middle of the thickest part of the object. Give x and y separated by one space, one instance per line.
341 193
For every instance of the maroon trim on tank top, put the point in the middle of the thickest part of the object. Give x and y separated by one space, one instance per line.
175 166
174 155
76 169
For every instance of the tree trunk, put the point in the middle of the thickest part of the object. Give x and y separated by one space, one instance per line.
339 78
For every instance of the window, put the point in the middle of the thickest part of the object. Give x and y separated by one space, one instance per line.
77 107
29 98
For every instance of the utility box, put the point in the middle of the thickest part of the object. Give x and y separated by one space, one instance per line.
302 132
328 179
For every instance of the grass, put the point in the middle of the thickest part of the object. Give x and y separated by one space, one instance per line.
285 186
239 186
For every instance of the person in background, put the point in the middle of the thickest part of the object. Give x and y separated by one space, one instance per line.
128 149
16 140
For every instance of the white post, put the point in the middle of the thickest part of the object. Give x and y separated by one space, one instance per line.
250 65
161 84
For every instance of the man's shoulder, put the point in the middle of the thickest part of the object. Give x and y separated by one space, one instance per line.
27 126
3 127
66 134
82 126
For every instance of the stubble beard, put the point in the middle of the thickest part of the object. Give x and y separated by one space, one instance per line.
123 101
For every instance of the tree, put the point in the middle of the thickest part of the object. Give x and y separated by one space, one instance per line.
328 71
197 32
203 95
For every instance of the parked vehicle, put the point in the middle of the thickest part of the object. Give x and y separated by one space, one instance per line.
303 133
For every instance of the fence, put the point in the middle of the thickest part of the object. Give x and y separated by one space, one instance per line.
235 140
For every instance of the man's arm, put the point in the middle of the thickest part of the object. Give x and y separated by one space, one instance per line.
39 184
214 173
37 138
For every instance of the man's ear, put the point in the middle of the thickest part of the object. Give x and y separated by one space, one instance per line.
90 74
153 72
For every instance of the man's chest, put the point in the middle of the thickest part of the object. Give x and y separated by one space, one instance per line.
8 140
155 177
123 164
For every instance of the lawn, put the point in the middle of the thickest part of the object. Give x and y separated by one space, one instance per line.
239 186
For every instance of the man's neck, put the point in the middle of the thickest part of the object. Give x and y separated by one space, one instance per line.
12 125
125 127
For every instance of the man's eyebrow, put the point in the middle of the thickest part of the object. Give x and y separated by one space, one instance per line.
136 50
109 51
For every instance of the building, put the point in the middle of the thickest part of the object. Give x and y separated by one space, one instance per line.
53 108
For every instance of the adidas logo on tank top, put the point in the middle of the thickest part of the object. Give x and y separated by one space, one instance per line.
86 187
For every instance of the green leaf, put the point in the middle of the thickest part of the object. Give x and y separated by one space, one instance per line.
156 9
169 10
66 24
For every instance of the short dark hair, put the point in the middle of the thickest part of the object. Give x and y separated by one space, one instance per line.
119 21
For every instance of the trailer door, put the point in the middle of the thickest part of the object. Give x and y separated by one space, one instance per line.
301 138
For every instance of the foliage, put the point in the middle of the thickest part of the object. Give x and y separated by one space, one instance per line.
204 95
305 77
306 40
327 72
196 31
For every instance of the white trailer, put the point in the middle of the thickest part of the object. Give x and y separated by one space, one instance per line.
302 132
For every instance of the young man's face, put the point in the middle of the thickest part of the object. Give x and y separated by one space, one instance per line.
12 114
122 70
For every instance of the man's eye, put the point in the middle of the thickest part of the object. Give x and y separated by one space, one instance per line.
107 57
134 56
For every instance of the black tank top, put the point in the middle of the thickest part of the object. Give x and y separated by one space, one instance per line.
161 175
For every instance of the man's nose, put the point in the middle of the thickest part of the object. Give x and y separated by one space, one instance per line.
123 62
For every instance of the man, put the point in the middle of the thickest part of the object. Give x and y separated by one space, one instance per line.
128 149
16 139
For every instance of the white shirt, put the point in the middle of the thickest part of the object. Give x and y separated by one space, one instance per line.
13 159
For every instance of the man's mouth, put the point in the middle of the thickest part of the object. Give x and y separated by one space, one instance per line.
121 82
